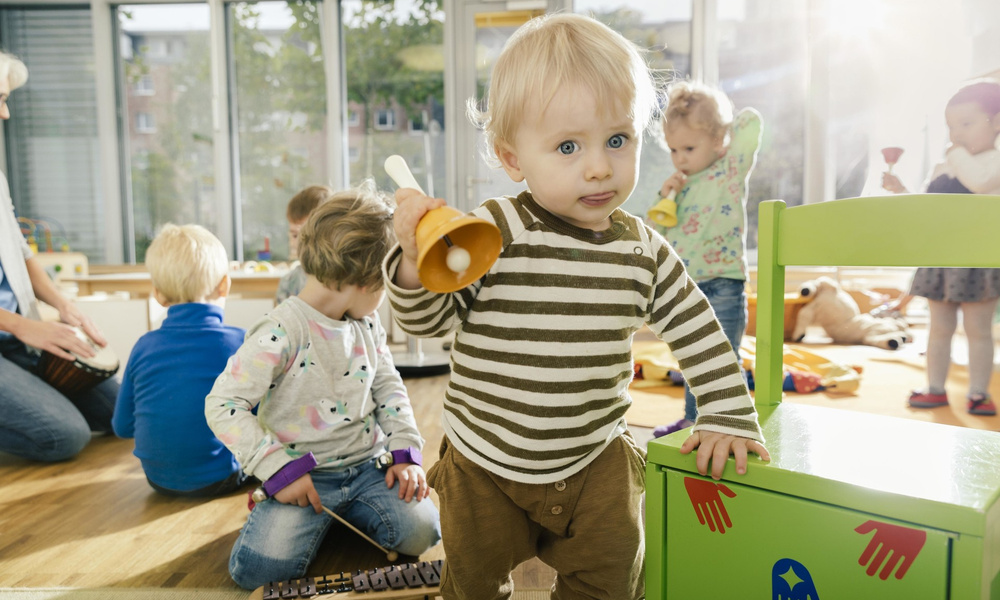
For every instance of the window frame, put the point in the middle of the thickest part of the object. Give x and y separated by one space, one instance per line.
145 122
119 243
120 246
390 120
145 86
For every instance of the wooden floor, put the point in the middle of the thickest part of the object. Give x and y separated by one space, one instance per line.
95 522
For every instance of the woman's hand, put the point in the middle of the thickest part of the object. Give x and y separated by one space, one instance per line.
58 339
412 481
300 492
71 314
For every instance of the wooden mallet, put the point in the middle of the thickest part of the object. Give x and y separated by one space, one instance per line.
392 555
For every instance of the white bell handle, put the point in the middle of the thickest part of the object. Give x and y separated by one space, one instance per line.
396 167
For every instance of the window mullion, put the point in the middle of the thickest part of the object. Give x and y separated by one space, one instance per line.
119 241
226 187
336 93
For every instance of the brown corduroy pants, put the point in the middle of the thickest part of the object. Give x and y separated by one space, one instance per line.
587 527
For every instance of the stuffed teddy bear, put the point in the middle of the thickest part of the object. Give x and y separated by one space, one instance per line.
836 312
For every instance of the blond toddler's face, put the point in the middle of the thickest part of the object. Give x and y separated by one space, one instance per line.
580 161
971 128
692 150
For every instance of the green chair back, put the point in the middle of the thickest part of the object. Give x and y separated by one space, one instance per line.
908 230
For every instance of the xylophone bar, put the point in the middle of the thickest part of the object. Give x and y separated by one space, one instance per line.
409 580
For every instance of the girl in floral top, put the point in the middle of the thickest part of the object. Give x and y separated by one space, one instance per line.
714 154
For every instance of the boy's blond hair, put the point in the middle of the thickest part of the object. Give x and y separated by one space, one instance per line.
306 201
699 107
186 263
346 238
552 51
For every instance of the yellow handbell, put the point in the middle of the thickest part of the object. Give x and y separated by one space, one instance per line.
665 211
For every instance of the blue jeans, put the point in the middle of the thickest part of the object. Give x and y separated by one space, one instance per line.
36 421
279 541
728 298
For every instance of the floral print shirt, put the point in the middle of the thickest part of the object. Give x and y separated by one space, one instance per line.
710 235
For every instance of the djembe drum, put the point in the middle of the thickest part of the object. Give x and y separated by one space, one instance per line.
72 377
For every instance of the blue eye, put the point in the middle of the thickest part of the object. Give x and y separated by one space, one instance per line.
616 141
567 147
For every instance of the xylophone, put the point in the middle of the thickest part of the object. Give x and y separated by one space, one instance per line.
405 581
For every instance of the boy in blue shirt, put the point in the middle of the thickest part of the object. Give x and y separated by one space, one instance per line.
170 371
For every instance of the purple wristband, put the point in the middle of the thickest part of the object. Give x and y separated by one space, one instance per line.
289 473
407 455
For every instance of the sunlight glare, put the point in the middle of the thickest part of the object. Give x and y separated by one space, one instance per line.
856 18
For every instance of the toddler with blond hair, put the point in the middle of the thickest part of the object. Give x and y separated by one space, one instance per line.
537 459
713 149
161 402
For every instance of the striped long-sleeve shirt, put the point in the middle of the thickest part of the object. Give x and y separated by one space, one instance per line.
542 356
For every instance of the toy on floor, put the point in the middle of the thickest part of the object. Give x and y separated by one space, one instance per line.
805 371
409 580
837 313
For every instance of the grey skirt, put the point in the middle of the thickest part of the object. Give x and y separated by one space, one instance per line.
956 285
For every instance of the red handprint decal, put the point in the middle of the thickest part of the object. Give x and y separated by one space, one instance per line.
705 499
903 543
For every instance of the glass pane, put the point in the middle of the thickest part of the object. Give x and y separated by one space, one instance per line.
394 65
492 30
164 57
280 105
889 85
663 29
763 64
52 150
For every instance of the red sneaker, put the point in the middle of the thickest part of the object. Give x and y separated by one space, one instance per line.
919 399
981 404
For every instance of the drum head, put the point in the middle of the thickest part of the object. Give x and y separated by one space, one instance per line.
105 358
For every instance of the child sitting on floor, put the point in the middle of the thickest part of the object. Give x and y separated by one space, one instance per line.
537 458
299 208
331 407
161 402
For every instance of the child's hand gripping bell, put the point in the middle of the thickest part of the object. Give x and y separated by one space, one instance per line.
445 237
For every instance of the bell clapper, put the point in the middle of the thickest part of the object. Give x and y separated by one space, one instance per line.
458 259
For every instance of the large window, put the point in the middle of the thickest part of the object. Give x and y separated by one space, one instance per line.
51 141
763 64
226 109
164 61
394 65
280 104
